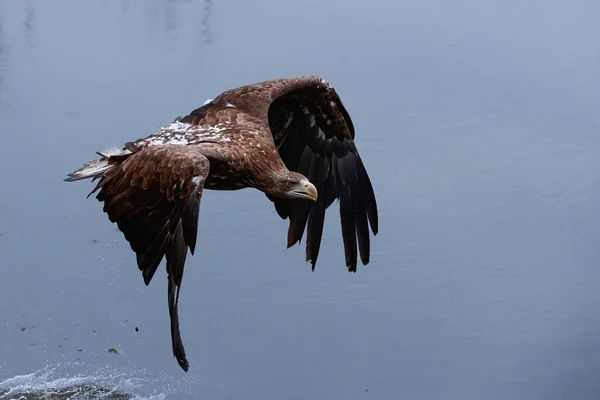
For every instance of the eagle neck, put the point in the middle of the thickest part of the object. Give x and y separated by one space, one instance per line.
265 174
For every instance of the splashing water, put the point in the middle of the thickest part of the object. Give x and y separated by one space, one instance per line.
48 384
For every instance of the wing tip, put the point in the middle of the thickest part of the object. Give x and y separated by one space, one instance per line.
183 363
147 278
76 176
292 240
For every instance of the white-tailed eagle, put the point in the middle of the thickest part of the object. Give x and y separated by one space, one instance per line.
289 138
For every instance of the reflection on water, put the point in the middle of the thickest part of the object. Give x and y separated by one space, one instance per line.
166 16
29 22
174 15
206 22
3 56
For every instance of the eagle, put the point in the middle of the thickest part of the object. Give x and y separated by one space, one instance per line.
290 138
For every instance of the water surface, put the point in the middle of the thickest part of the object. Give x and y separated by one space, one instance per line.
477 121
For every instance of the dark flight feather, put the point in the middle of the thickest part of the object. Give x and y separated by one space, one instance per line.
313 119
319 173
154 197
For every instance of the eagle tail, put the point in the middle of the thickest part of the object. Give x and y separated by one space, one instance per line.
92 169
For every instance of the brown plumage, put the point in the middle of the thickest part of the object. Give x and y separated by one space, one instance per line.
290 138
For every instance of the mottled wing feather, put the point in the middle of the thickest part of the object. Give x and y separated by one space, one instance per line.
154 197
314 136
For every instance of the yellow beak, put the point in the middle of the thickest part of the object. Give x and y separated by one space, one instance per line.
308 191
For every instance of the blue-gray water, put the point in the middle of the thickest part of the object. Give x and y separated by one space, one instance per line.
478 122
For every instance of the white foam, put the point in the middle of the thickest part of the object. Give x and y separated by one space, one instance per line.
47 383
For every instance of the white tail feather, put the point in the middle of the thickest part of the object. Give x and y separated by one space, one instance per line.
96 167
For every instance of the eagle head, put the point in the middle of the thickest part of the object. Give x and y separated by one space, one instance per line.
292 185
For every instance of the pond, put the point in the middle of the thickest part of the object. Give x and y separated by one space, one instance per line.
477 121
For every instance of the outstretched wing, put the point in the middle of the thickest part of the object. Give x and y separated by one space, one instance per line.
154 197
314 136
